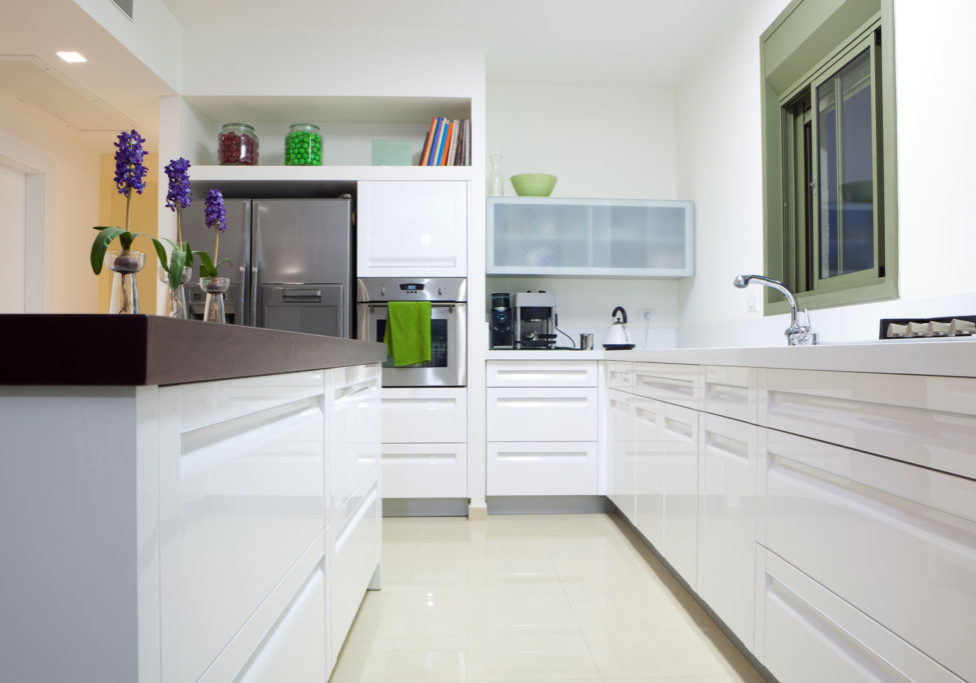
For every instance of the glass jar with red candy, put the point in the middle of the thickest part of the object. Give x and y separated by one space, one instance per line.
237 143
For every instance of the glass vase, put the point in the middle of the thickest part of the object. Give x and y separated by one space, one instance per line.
124 265
176 298
213 308
495 179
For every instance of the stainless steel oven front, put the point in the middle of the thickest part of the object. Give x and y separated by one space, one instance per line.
448 327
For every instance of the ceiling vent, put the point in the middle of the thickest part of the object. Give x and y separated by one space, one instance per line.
32 81
127 6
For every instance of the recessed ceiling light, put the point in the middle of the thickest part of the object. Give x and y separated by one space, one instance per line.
71 56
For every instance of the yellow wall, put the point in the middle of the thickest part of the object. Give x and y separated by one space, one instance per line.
143 208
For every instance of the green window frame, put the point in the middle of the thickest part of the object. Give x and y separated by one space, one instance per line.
831 238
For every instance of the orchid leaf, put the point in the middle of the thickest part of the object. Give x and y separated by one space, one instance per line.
189 255
177 259
104 237
207 267
160 253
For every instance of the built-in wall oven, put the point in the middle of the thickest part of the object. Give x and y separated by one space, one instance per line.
448 327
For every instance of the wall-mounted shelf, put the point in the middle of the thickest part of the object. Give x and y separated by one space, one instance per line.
590 237
348 124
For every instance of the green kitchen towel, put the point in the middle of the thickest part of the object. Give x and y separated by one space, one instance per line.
408 332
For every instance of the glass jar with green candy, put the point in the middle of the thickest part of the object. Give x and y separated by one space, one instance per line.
303 145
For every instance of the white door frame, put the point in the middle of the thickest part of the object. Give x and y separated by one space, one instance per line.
38 215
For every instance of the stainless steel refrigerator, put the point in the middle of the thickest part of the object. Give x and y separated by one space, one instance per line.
291 263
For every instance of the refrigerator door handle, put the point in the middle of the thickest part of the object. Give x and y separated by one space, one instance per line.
254 296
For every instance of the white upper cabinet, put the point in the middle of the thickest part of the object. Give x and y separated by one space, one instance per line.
600 237
412 228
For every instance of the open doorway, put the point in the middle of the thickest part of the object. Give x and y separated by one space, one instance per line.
13 237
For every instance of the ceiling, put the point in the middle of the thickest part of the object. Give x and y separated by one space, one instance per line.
556 42
621 42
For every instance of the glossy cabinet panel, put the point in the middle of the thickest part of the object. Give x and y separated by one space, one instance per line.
542 414
673 383
730 512
679 433
928 421
412 228
619 375
353 412
551 374
730 391
425 470
295 649
648 468
244 498
425 415
896 541
810 635
542 469
621 455
353 551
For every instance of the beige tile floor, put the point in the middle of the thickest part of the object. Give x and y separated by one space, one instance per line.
530 598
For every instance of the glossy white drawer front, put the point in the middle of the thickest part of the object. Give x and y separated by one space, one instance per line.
619 375
679 539
295 649
425 470
542 469
895 540
729 518
621 452
242 498
208 402
669 382
538 414
529 373
730 392
355 545
929 421
415 415
810 635
353 418
648 468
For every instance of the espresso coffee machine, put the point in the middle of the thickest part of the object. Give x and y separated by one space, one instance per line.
535 320
502 334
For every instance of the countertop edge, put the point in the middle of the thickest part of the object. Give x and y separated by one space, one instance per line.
137 350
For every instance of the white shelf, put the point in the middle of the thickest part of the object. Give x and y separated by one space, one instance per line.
209 174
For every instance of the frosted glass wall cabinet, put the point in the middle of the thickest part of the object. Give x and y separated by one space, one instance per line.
598 237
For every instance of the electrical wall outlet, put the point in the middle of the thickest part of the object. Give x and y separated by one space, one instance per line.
752 303
645 315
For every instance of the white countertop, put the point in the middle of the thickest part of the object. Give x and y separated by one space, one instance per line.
947 357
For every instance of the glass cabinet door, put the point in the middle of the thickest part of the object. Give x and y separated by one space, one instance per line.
605 237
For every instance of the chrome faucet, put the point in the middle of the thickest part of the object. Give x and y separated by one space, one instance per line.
796 334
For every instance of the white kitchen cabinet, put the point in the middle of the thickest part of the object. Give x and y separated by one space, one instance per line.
597 237
352 413
679 537
621 452
412 228
542 414
425 470
808 634
669 382
730 391
894 540
729 519
542 427
296 649
425 442
648 468
542 469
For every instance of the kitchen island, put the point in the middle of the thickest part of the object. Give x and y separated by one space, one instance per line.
183 500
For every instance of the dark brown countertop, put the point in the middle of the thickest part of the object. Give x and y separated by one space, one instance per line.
147 349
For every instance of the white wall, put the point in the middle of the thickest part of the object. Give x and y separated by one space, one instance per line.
601 142
720 168
70 207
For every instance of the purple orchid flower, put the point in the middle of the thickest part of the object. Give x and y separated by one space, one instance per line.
214 213
129 169
178 196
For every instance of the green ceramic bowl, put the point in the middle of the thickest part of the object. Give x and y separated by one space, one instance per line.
533 184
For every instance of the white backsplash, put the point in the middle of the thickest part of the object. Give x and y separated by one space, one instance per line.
585 304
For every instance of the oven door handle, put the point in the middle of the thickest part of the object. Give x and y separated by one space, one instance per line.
452 305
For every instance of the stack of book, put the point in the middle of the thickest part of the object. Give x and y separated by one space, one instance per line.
448 143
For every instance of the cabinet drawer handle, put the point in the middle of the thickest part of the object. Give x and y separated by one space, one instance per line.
680 428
